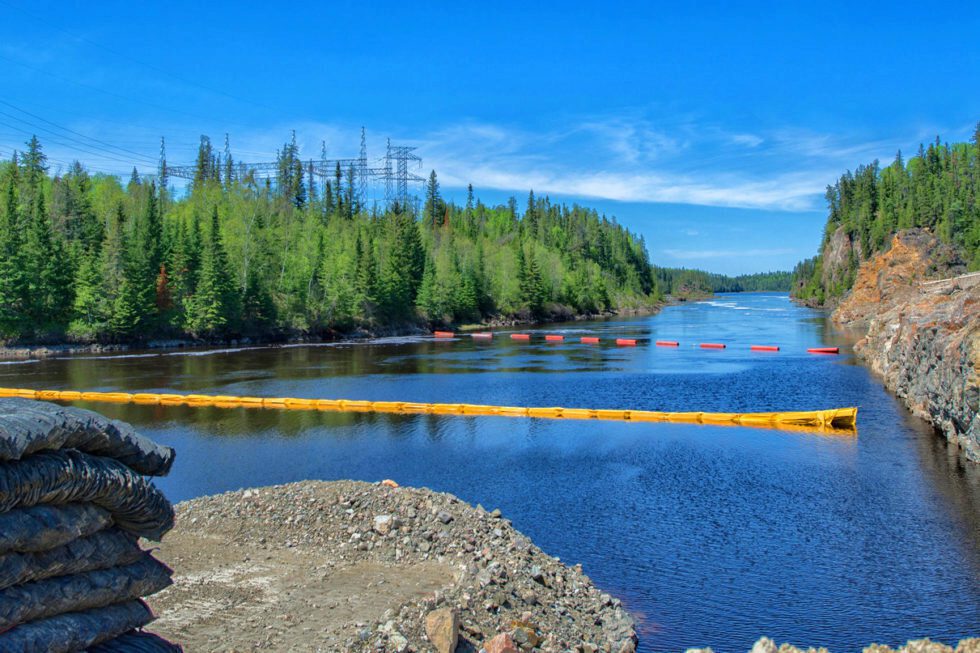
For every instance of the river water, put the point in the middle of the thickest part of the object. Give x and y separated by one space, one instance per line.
710 535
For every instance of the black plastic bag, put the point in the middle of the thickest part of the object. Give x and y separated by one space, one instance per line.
76 631
28 426
21 604
136 642
74 477
40 528
108 548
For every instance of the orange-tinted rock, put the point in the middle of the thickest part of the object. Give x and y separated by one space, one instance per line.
442 629
502 643
922 322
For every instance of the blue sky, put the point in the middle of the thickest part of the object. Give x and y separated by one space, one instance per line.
710 128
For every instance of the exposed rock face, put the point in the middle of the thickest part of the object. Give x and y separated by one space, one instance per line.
923 335
838 253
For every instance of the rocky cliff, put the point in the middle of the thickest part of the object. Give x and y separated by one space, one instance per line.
921 316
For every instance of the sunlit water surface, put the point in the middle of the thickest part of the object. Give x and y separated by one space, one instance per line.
710 535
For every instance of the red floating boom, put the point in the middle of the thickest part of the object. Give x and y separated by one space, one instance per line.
668 343
554 338
626 342
764 348
485 335
520 336
590 340
712 345
824 350
444 334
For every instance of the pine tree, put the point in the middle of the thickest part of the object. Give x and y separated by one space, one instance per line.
47 268
401 269
229 165
89 305
469 200
143 259
13 284
203 165
366 277
531 216
427 300
351 195
338 186
531 286
213 307
435 208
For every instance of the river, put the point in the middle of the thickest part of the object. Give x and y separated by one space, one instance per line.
710 535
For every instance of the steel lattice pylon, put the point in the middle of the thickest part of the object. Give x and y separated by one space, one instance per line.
394 172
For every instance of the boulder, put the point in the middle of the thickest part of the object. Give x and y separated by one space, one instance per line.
442 629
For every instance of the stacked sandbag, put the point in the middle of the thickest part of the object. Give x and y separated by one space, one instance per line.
74 501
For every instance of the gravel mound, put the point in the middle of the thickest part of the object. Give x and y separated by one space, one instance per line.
501 588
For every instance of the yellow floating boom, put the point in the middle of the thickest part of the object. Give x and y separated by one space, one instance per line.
842 421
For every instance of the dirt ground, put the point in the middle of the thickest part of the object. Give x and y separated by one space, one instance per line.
238 597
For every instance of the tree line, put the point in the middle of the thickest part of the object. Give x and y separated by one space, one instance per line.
938 188
90 258
684 282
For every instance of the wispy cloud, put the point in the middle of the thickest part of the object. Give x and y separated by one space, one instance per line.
632 160
749 140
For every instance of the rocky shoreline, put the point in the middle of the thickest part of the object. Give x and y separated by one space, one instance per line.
921 325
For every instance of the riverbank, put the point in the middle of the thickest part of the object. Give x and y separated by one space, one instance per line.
56 349
354 566
921 328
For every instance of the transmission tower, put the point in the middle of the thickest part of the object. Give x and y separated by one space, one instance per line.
163 164
362 171
396 171
396 184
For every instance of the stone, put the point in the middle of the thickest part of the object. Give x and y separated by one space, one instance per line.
502 643
442 629
537 574
398 642
444 517
627 646
765 645
383 524
525 635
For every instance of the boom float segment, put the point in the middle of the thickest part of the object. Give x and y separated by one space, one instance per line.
837 421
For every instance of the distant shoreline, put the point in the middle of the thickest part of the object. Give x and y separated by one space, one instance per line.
37 351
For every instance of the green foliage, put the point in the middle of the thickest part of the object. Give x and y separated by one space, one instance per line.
87 257
682 282
938 189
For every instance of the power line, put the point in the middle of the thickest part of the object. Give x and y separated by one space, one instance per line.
109 93
75 143
93 151
72 131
